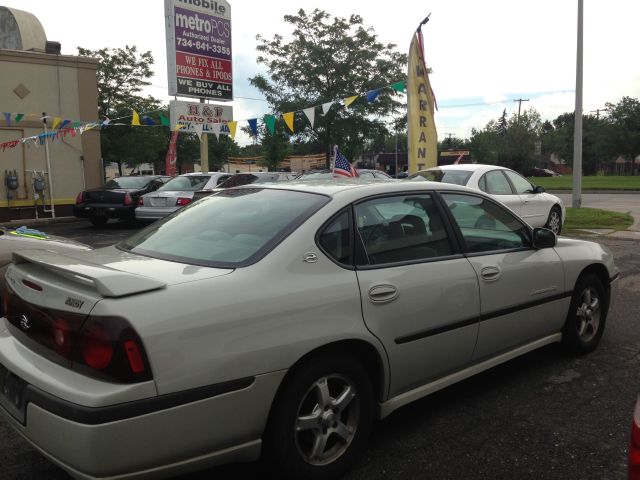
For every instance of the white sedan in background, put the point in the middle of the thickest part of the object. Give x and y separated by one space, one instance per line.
281 319
532 203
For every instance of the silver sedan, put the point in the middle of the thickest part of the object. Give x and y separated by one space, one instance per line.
175 194
281 319
532 203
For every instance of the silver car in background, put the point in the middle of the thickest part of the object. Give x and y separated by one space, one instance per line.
176 193
531 202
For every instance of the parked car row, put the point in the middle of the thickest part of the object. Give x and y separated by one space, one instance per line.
357 299
150 198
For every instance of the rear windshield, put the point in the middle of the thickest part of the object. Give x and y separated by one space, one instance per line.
128 182
232 228
190 183
239 180
457 177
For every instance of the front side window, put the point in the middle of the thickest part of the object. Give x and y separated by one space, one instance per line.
521 184
401 229
495 183
486 226
230 229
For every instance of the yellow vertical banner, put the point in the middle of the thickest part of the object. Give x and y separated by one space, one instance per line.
421 128
136 119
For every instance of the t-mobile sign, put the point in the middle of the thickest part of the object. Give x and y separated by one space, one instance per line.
199 48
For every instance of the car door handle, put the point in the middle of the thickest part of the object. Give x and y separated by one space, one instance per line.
490 273
383 293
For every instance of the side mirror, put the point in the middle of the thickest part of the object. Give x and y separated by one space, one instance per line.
544 238
538 189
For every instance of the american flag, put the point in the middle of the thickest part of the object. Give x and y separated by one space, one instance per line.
342 166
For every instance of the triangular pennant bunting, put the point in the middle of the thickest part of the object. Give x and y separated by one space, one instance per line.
288 119
232 128
198 129
135 121
164 121
7 118
311 115
349 100
372 95
56 122
253 124
147 120
326 107
19 117
65 123
215 128
399 86
270 123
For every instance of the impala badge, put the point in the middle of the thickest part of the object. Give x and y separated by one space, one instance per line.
25 323
74 302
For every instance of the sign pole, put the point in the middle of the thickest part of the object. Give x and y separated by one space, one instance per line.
204 150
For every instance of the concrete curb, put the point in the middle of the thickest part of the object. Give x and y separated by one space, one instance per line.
607 192
39 221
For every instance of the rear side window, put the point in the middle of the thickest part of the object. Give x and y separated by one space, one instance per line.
496 183
456 177
406 228
335 239
519 183
230 229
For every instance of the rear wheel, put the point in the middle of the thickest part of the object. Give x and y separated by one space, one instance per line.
322 418
554 222
98 221
587 314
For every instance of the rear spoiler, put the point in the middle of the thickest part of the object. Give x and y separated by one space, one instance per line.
107 281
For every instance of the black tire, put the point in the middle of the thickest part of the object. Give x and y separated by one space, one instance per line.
98 221
587 315
289 448
554 221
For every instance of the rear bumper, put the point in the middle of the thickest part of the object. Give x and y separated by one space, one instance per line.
154 213
150 437
88 210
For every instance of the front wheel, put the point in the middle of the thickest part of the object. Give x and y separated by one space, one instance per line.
322 418
554 222
587 314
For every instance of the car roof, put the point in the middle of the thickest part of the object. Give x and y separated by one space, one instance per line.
358 187
473 167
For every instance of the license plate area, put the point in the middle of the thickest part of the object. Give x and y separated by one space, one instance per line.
158 202
12 392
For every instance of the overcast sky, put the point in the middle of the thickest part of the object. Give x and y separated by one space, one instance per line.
483 54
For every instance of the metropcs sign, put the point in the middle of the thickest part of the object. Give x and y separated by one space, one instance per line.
199 48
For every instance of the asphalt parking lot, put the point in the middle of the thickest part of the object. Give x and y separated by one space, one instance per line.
546 415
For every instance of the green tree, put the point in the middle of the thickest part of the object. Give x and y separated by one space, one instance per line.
122 75
275 147
328 59
512 146
624 118
220 150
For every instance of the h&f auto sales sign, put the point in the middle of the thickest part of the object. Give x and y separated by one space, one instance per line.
199 48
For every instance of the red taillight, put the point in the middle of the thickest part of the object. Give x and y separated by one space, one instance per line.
80 198
634 445
133 355
140 202
112 350
32 285
127 199
181 202
97 350
62 337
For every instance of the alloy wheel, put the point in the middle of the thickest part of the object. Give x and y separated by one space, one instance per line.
588 314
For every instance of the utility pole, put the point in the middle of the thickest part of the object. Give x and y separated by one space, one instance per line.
576 198
520 100
449 135
597 112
